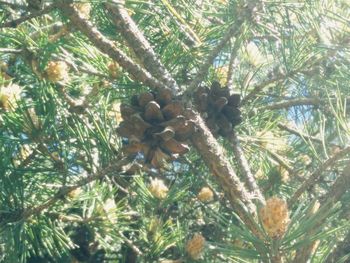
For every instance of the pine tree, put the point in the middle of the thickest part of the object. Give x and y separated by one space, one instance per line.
174 131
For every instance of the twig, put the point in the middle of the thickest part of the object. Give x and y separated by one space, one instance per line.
339 187
233 63
280 161
183 26
292 103
107 46
136 40
10 50
303 135
341 250
307 68
131 244
245 169
63 191
328 200
214 156
316 175
257 88
16 22
233 30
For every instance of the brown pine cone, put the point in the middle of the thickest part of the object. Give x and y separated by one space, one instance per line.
219 108
155 127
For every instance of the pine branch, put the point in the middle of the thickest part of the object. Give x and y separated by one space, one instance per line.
341 249
303 135
214 156
316 175
232 31
140 45
131 245
245 169
292 103
15 216
10 50
276 77
17 22
328 200
307 69
233 63
182 25
107 46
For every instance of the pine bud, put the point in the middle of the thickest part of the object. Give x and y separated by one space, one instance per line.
84 9
57 71
74 193
205 194
158 188
275 217
195 246
113 69
9 95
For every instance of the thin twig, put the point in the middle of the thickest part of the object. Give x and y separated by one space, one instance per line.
245 169
303 135
259 87
107 46
10 50
136 40
16 22
316 175
63 191
340 250
232 31
130 244
233 63
293 102
328 200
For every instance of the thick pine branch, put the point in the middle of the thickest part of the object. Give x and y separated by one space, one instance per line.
215 158
139 44
108 47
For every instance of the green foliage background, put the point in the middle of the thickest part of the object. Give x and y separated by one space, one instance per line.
295 54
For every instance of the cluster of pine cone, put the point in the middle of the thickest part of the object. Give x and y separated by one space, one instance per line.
219 108
155 127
